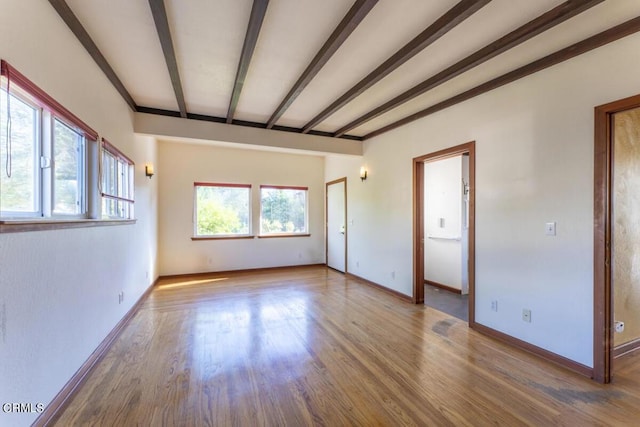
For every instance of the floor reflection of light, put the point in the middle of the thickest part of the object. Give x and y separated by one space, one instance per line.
189 283
230 336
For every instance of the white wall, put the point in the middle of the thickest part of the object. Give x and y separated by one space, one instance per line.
534 165
443 201
59 289
182 164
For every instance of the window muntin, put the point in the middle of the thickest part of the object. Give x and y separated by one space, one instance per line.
222 210
283 210
116 182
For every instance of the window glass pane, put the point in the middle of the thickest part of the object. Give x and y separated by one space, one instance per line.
222 210
67 160
117 181
283 210
19 169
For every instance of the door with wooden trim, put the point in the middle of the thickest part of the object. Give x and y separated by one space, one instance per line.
336 224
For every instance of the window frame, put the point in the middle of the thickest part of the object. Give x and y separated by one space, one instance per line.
304 233
49 110
248 235
127 200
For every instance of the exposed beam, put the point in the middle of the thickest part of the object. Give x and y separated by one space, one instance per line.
433 32
83 37
615 33
164 34
540 24
351 20
258 10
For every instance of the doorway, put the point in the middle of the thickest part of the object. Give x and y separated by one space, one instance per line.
616 233
453 235
336 225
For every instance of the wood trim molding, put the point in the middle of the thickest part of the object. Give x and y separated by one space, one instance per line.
418 221
518 36
83 37
277 236
208 274
612 34
453 17
533 349
20 226
602 287
164 34
350 22
55 408
258 11
197 238
443 287
382 288
626 348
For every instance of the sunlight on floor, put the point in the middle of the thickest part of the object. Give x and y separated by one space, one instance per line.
190 283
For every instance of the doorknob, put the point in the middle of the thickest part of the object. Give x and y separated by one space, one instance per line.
342 229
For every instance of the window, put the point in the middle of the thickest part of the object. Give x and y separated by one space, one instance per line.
116 182
283 210
222 210
43 153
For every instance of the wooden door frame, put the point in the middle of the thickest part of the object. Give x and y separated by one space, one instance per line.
602 214
418 220
326 222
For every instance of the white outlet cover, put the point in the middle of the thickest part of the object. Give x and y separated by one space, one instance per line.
550 229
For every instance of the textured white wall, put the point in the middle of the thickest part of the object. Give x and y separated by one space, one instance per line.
182 164
534 165
59 289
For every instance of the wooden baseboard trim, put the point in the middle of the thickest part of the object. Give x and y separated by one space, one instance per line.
55 408
538 351
245 271
626 348
443 287
395 293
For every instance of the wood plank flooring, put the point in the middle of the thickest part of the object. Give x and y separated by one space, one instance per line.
307 346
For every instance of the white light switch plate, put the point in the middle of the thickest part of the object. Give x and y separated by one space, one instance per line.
550 229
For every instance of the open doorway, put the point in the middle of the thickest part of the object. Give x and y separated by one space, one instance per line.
444 231
616 233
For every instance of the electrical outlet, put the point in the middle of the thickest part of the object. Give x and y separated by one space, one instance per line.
526 315
619 327
494 305
121 297
393 275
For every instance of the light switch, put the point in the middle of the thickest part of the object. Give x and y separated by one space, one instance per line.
550 229
441 222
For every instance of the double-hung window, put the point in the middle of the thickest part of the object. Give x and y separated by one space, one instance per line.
116 182
43 153
222 210
283 210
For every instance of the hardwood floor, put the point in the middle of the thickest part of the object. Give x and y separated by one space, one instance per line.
308 346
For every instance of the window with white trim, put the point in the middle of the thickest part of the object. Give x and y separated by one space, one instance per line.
283 210
222 210
43 153
116 182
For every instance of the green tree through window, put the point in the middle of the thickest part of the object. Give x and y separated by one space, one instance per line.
222 209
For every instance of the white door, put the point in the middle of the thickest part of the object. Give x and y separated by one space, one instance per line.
337 224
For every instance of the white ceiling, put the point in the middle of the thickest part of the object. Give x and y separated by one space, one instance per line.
208 36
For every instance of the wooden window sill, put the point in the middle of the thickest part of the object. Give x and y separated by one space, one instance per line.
221 237
274 236
24 225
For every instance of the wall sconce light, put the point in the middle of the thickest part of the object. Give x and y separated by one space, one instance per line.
148 170
363 173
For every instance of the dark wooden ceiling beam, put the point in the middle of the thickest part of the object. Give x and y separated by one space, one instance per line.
433 32
164 34
83 37
529 30
351 20
615 33
258 11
